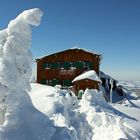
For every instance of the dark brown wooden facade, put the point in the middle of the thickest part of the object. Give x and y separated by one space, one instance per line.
62 67
83 84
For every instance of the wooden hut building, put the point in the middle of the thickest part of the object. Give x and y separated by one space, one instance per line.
62 67
85 80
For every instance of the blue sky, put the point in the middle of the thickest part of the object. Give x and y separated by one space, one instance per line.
110 27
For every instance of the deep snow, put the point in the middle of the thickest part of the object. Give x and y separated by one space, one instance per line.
90 118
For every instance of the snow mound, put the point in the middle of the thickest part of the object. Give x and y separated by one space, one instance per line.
101 117
61 108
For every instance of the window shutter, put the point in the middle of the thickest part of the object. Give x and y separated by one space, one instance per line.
43 81
44 66
66 65
91 65
54 82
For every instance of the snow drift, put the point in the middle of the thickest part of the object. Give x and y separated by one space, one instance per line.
102 118
90 118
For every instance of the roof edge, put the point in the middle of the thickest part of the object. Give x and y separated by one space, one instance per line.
75 48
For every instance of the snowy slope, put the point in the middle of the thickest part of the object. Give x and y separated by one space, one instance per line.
133 111
131 105
132 86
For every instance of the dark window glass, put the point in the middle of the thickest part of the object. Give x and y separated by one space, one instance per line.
66 65
44 66
67 83
54 82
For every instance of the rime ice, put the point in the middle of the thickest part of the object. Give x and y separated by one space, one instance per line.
18 117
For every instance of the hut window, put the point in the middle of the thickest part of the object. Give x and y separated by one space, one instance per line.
47 82
72 66
54 82
43 81
61 65
67 83
43 65
47 65
54 65
88 65
91 65
58 65
66 65
78 65
80 94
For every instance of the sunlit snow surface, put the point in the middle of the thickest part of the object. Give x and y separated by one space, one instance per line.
132 86
90 118
131 105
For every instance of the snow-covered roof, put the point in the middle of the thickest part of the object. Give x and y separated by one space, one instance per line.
89 51
103 75
74 48
91 75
